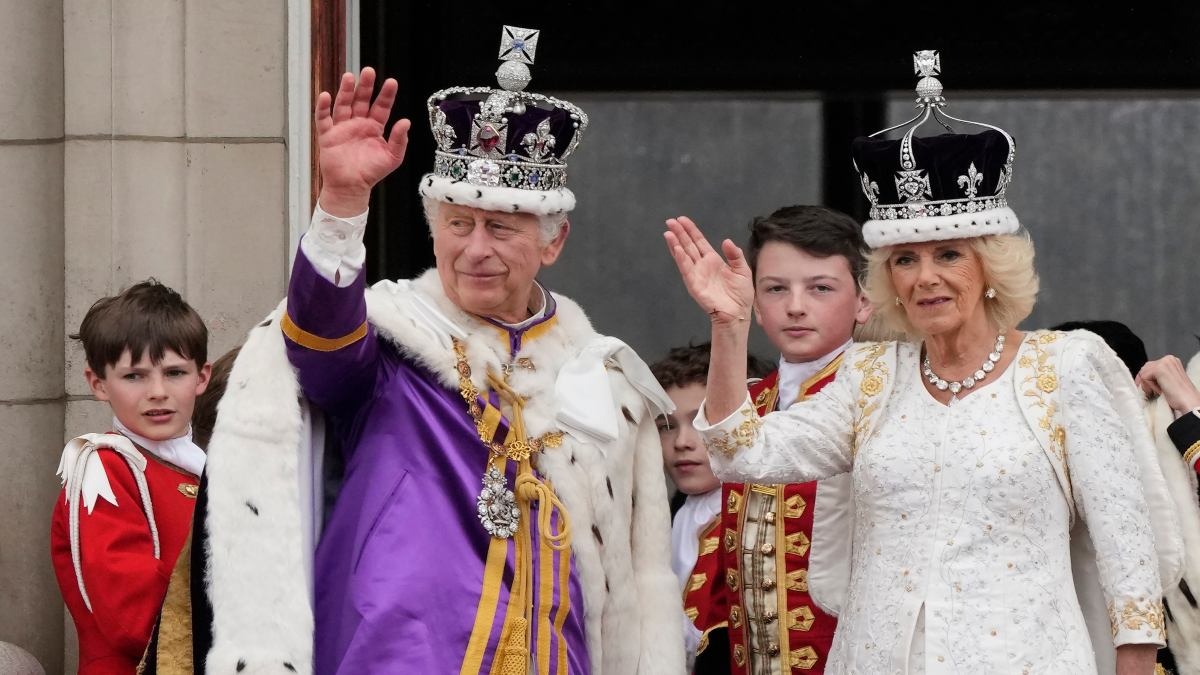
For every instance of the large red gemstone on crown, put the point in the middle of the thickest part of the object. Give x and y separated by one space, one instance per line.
488 138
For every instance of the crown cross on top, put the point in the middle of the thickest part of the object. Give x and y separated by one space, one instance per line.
518 44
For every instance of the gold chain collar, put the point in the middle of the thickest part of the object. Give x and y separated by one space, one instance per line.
518 449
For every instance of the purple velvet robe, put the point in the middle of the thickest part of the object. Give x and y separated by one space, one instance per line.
400 565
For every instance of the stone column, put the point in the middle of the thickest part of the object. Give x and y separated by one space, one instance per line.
31 321
176 167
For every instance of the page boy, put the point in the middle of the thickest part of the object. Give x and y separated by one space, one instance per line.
126 506
778 542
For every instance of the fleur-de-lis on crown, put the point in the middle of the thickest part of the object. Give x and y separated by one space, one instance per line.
443 133
539 144
970 182
870 189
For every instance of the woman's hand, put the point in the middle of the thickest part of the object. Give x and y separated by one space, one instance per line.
1136 659
723 287
353 152
1168 378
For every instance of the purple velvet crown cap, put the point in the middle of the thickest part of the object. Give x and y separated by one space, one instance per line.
933 188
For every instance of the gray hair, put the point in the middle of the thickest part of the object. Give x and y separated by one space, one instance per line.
548 226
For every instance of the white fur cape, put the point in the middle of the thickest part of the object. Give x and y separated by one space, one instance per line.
263 520
1183 616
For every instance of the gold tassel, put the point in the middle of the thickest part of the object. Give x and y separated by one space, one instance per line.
514 650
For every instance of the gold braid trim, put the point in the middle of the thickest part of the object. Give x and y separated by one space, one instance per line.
1191 454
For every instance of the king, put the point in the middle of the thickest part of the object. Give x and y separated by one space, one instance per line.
503 507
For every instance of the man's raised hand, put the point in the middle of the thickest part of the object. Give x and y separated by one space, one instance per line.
354 152
724 290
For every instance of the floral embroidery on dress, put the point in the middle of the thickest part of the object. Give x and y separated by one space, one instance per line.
874 376
742 436
1044 381
1136 615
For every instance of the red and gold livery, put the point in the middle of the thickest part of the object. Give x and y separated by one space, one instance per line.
766 533
705 600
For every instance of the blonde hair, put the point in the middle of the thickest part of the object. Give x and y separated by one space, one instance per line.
1007 261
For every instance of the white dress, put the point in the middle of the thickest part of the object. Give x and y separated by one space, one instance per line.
962 557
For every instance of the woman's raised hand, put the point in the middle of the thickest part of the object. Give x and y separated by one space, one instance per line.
354 152
722 286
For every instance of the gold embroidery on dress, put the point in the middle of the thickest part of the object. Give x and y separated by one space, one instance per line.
1134 616
692 613
709 545
728 443
697 582
189 490
1041 382
874 376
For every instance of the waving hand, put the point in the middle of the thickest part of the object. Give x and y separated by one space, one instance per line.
355 154
722 286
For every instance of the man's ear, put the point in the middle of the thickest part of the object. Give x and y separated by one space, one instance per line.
552 250
96 383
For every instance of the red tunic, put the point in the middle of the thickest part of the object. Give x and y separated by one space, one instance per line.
124 581
774 625
705 601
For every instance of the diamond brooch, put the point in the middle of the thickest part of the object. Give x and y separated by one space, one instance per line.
497 506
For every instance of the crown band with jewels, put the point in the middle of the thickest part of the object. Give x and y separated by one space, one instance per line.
504 149
949 186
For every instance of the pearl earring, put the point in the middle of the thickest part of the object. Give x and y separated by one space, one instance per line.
898 303
990 293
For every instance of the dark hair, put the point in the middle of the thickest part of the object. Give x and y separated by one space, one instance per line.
1120 338
683 366
204 415
146 317
816 230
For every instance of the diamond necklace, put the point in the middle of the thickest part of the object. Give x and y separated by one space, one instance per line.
971 380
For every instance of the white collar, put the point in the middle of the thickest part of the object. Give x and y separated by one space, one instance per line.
537 316
691 518
181 451
793 375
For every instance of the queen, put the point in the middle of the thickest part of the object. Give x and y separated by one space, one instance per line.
1010 516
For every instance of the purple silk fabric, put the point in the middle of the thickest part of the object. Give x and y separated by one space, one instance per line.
399 568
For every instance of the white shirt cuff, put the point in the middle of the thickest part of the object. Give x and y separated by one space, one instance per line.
334 246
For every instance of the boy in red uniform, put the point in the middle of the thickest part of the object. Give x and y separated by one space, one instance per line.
695 557
778 541
128 495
